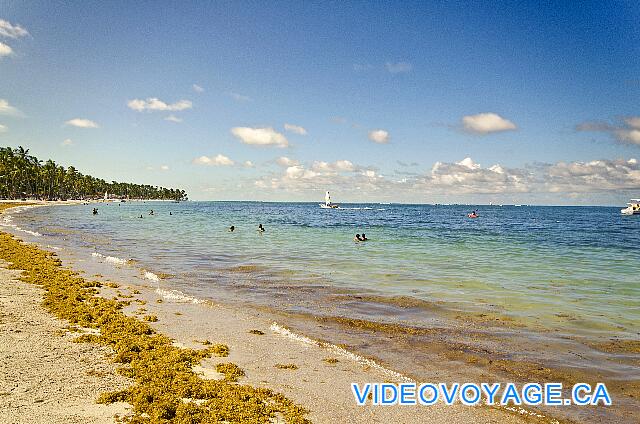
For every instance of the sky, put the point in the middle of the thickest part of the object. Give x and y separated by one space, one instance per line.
413 102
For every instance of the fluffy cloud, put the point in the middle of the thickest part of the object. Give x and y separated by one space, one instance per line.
5 50
7 109
468 176
164 167
155 104
173 118
248 164
485 123
81 123
286 162
295 129
260 136
218 160
337 166
627 132
465 178
398 68
197 88
66 142
11 31
379 136
597 175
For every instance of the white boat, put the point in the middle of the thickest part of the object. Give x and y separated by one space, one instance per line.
327 203
633 208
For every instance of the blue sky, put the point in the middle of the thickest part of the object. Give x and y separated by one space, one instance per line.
398 101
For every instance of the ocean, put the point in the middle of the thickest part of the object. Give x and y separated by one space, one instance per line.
530 293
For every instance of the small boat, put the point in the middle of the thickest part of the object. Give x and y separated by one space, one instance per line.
633 208
327 203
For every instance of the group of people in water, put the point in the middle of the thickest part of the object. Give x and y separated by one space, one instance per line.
358 238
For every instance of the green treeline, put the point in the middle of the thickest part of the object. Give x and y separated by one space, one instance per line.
25 176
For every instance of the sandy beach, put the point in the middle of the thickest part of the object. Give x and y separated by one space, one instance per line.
314 376
44 376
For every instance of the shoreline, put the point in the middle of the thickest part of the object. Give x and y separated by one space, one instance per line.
313 385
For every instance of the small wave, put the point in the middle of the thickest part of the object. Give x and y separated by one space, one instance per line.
178 296
7 221
285 332
151 276
110 259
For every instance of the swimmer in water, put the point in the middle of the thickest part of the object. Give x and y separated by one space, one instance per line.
232 229
364 237
357 238
261 228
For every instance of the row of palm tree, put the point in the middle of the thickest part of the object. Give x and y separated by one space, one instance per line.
25 176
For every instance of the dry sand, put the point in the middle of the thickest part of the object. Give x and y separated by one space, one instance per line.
44 376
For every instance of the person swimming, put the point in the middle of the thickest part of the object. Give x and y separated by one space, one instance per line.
151 212
95 211
170 213
140 216
357 238
261 228
364 237
232 229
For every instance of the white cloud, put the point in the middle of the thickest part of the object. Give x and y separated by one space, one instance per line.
5 50
81 123
240 97
467 176
218 160
485 123
399 67
3 128
7 109
173 118
11 31
295 129
260 136
379 136
286 162
337 166
155 104
66 142
164 167
597 175
197 88
248 164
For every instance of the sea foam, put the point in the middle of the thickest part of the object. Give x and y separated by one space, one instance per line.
110 259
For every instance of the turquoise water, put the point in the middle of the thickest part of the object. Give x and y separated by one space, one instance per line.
558 279
529 262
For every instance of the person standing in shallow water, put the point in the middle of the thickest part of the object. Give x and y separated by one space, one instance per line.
357 238
261 228
232 229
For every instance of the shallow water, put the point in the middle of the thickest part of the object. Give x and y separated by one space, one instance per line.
539 284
